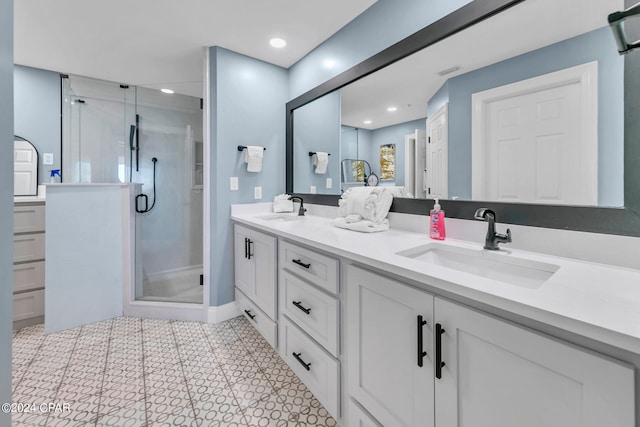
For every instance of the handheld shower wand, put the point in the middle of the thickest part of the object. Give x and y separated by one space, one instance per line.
144 197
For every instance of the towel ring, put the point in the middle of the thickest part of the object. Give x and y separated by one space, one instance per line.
311 153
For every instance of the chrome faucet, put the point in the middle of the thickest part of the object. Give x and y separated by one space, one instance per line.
493 238
302 209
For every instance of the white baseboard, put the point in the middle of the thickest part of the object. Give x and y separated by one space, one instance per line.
164 310
222 312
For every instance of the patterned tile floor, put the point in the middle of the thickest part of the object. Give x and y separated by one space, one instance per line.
146 372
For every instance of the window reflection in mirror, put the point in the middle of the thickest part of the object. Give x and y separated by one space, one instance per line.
506 118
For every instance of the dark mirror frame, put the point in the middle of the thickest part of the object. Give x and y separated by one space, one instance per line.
609 220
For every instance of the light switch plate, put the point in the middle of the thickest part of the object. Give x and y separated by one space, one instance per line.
257 192
313 189
233 183
329 183
47 159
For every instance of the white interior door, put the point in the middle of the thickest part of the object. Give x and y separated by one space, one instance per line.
438 154
535 141
25 169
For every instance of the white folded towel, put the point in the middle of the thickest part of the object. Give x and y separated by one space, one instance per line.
371 203
253 155
362 226
320 161
281 203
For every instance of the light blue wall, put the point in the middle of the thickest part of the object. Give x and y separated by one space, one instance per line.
598 46
393 135
383 24
317 128
6 202
37 112
247 107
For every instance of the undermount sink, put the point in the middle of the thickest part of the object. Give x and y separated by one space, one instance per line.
281 217
500 266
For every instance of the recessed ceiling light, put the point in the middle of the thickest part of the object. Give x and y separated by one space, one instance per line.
367 122
169 91
392 109
278 43
329 63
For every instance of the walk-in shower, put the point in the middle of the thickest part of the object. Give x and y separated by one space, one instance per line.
121 133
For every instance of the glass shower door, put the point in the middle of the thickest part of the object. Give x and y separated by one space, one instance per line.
170 231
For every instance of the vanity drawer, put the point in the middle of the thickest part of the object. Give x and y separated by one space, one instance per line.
267 327
28 304
28 247
29 276
319 269
28 218
312 310
314 366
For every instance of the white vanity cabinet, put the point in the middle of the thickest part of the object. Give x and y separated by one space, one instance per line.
491 372
309 324
500 374
255 278
389 329
28 263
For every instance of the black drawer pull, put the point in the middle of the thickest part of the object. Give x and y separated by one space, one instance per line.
249 254
307 366
252 316
299 305
439 363
246 247
421 352
300 263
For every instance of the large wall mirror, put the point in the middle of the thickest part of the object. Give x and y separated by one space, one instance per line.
519 105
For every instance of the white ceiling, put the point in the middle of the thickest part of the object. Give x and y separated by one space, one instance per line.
410 83
158 43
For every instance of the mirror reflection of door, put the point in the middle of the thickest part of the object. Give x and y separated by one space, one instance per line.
539 139
415 163
438 154
25 168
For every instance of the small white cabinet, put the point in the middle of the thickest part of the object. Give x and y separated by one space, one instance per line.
478 370
389 336
255 268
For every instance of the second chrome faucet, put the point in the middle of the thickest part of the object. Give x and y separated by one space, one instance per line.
493 238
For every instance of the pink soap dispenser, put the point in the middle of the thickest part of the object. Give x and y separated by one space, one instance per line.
436 223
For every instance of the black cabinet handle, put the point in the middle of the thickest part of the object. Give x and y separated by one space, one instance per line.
252 316
249 254
439 363
421 352
300 263
307 366
246 247
299 305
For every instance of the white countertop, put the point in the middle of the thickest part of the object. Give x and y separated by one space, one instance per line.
593 300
